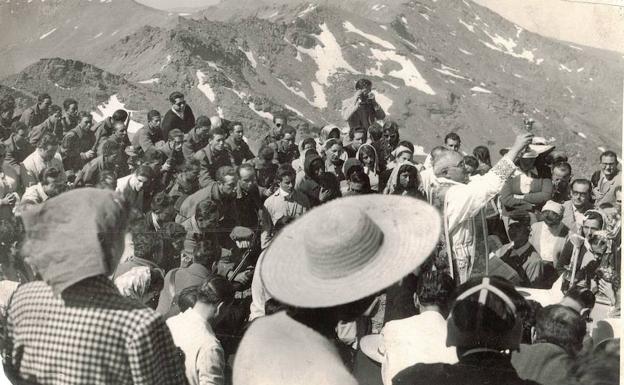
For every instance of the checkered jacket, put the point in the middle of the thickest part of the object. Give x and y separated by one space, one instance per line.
89 335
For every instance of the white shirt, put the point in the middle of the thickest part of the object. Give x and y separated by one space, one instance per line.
414 340
547 243
279 350
259 294
203 354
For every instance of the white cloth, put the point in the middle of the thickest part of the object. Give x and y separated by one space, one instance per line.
9 181
34 195
546 241
279 350
203 354
31 167
259 294
414 340
134 198
525 180
279 205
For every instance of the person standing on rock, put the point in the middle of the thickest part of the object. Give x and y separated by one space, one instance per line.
361 110
180 115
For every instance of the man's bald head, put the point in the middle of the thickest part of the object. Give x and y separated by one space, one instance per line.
449 164
436 152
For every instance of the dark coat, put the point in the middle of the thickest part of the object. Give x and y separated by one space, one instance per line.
210 162
17 151
239 151
474 369
545 363
172 121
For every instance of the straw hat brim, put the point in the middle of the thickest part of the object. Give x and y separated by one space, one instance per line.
370 347
411 229
540 149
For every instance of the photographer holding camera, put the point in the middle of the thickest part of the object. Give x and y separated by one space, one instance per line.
361 110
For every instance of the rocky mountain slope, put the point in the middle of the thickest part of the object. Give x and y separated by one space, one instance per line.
437 66
76 29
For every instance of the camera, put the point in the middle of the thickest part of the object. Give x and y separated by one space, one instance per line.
367 97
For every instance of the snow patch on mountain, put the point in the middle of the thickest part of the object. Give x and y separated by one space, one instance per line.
391 85
311 7
204 87
469 27
47 34
408 73
378 7
450 72
377 40
150 81
425 16
296 111
296 91
580 69
98 35
107 109
419 57
480 89
329 60
564 68
250 57
262 114
384 101
167 63
507 46
465 52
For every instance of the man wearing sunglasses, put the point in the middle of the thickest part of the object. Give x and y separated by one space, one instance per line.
180 115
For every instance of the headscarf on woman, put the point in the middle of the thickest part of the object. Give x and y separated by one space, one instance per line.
75 235
374 172
393 186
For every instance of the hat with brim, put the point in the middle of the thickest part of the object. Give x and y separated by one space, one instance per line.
370 346
348 249
539 146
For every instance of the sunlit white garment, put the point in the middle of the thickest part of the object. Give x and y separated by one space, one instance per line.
417 339
463 203
203 354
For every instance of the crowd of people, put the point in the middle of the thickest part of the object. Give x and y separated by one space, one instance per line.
177 255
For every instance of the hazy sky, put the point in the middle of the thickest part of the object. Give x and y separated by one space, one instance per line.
578 21
172 4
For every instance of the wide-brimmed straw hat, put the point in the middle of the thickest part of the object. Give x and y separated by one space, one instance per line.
538 146
349 249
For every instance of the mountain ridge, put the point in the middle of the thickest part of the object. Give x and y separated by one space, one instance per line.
436 67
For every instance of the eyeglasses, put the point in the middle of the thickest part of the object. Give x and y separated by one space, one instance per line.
608 164
579 193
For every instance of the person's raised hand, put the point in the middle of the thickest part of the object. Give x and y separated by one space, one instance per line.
522 140
324 194
606 288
